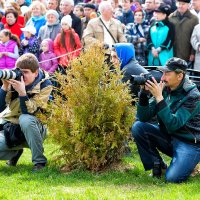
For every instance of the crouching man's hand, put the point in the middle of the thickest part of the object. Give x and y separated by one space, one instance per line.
19 86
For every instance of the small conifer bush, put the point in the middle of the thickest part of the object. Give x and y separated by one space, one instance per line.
91 116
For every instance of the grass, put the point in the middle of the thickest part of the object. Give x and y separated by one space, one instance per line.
131 183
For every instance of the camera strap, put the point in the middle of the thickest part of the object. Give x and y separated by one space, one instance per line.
108 30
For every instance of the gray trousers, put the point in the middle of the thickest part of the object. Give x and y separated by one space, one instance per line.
34 133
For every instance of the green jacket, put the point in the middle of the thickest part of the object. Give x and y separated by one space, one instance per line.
178 114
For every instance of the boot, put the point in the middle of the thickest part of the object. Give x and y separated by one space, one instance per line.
13 161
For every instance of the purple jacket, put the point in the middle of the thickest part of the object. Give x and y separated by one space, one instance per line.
7 62
51 65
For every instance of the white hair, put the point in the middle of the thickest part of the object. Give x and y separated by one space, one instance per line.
71 2
104 5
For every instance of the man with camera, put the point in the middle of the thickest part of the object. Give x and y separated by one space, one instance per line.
20 100
175 101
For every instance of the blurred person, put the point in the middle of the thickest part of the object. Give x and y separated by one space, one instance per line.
136 33
9 49
52 26
78 11
37 19
184 22
195 8
195 41
30 43
97 28
48 60
52 5
161 37
67 42
12 22
88 10
66 8
127 14
149 8
23 6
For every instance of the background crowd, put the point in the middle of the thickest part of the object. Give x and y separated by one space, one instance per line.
56 31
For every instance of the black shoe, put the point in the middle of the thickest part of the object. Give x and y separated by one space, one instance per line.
38 167
13 161
159 169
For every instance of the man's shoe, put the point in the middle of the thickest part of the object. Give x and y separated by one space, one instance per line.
159 169
13 161
38 167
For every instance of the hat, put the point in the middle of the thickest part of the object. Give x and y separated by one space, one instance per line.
90 5
185 1
174 64
67 19
30 29
163 8
52 12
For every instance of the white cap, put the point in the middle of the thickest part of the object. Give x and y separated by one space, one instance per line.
67 19
30 29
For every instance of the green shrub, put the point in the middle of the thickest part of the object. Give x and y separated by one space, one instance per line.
92 116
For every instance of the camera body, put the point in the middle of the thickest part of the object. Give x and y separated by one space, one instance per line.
141 79
11 74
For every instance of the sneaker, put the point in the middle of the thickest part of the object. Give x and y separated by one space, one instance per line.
38 167
13 161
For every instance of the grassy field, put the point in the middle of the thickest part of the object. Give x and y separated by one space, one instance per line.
125 183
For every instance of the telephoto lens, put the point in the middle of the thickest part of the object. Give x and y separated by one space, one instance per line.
10 74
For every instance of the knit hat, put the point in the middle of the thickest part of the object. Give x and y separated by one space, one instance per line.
30 29
67 19
52 12
163 8
174 64
185 1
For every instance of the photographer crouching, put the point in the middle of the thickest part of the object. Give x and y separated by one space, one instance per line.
176 103
22 95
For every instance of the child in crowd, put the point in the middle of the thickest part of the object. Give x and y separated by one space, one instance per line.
9 51
30 43
45 57
51 28
67 42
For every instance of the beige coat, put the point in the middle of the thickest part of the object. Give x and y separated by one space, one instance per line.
94 32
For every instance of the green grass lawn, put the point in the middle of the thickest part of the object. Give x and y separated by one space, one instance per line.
130 183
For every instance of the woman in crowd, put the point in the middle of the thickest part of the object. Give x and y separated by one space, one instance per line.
161 37
195 41
67 42
37 19
9 51
136 33
12 22
51 28
14 6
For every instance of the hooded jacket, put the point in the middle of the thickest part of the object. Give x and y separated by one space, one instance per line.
178 114
37 96
48 60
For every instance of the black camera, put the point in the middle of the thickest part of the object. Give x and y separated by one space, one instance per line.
141 79
11 74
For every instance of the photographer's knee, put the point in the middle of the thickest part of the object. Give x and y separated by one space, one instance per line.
137 129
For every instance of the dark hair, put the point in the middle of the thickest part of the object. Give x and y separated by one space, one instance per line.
28 61
71 40
14 12
11 36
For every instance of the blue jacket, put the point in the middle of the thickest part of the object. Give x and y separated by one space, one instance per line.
161 34
126 17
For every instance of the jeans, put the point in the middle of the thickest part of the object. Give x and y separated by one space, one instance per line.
34 133
150 140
